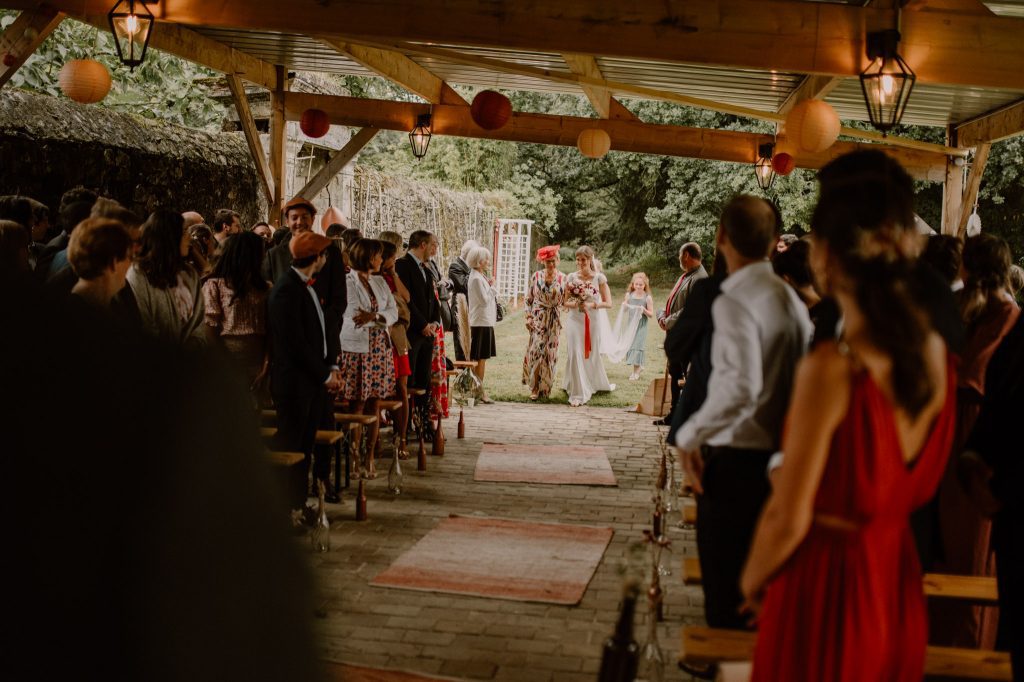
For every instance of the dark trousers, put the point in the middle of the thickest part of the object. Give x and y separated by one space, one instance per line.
1009 549
675 372
298 418
735 488
421 352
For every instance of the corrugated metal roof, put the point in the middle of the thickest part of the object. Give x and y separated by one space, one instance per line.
934 105
930 105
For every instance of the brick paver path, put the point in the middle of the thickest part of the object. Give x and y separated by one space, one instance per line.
492 639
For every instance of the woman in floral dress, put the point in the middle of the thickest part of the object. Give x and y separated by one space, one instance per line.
544 322
367 361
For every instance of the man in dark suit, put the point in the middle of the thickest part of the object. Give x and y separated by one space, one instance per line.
301 369
330 281
424 313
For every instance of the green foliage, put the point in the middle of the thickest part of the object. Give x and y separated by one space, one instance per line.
163 87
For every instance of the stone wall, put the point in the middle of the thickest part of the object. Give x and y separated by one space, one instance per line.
48 145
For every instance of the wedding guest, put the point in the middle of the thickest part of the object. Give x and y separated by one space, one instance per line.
438 361
100 253
166 288
75 206
458 273
944 253
225 224
367 362
235 296
630 335
399 336
264 232
761 329
965 532
14 255
424 313
832 570
302 371
543 321
202 247
1016 282
193 218
483 314
693 271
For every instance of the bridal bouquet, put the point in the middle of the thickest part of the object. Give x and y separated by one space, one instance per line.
578 292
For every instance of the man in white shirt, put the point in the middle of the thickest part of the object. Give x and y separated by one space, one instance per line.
761 331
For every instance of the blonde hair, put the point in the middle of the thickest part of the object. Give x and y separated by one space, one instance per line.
643 276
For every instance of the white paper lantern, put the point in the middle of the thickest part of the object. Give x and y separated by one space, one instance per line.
84 80
812 126
593 143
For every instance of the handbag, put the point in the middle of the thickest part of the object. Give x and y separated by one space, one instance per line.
499 311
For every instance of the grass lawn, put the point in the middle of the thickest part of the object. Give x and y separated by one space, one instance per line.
505 372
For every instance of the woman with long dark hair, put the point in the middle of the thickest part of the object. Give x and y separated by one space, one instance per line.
235 295
165 286
833 568
988 315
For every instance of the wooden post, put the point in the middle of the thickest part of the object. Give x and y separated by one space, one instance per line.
252 136
952 189
278 144
24 36
340 159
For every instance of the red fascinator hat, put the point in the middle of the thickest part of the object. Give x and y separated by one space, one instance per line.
548 252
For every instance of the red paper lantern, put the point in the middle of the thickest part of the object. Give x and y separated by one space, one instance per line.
84 80
10 59
314 123
490 110
783 163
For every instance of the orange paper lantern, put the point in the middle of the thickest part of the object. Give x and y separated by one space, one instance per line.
314 123
332 216
490 110
593 143
812 126
84 80
783 163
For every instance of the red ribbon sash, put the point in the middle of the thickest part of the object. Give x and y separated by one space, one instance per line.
586 334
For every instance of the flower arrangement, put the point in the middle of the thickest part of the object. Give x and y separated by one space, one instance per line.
578 292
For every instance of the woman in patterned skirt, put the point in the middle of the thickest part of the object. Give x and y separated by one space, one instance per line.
543 321
367 362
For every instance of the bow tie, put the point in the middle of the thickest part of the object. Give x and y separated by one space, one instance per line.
311 281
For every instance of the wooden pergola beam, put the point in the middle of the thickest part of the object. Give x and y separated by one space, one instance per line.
942 46
633 136
197 48
252 136
992 126
600 98
973 184
399 69
24 36
811 87
340 159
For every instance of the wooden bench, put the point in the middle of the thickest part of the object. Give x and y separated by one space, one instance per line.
331 439
976 589
285 459
706 646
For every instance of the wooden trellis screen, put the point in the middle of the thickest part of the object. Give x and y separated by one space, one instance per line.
381 202
512 258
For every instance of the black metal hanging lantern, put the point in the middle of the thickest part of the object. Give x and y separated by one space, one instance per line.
763 170
887 81
419 137
131 22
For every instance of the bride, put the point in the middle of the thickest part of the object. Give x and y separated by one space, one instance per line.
586 291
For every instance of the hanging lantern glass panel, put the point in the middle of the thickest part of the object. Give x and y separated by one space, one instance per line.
131 23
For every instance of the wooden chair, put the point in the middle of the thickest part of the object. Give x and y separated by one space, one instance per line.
704 646
284 459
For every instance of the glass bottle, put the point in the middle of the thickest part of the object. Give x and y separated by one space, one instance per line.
620 656
652 657
395 475
321 535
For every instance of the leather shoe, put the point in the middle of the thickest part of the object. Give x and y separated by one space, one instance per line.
662 422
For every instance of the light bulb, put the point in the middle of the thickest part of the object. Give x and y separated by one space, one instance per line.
888 85
131 26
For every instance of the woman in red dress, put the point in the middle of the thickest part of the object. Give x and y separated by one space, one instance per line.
833 571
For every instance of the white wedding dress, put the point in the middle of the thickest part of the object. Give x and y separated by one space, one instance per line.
584 376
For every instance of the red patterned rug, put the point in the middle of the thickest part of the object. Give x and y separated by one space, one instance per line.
502 559
345 672
564 464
